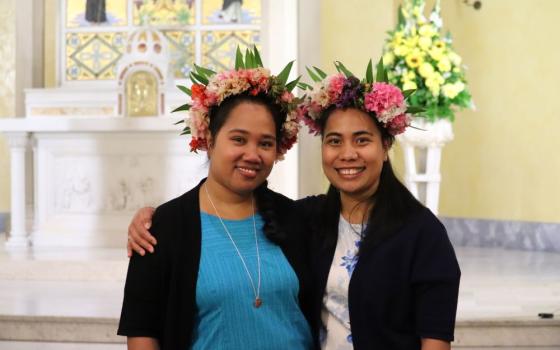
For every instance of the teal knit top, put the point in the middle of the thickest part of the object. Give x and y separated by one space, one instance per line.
226 317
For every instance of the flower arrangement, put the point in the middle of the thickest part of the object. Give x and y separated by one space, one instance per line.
418 57
385 101
210 89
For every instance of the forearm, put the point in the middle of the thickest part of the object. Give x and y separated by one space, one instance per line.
142 343
435 344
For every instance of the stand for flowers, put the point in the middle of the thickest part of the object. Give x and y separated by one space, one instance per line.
422 157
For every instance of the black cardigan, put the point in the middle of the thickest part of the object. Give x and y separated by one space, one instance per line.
159 296
403 289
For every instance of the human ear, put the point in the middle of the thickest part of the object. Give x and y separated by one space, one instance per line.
210 143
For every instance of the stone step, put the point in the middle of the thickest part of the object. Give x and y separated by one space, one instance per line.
40 270
508 334
472 334
59 329
63 264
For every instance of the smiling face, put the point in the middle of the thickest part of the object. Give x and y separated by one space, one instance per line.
243 151
353 153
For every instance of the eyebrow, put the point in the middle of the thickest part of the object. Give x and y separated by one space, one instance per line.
245 132
356 133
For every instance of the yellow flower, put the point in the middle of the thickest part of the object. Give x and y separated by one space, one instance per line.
388 58
439 44
414 59
416 12
426 70
401 50
434 82
449 91
410 75
452 90
427 30
433 85
409 85
436 53
435 90
444 65
425 43
398 39
460 86
412 42
456 59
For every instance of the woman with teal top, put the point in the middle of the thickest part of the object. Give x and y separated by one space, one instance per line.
228 272
384 273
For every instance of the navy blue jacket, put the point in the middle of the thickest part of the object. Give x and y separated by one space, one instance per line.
403 289
159 297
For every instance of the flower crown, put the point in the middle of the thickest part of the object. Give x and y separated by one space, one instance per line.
210 89
342 90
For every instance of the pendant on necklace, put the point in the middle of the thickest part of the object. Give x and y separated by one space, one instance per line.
258 302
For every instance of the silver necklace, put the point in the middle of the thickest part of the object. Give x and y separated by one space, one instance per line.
257 290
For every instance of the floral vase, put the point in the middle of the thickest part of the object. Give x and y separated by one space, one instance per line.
422 145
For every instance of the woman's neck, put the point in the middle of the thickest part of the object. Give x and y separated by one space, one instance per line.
216 199
355 210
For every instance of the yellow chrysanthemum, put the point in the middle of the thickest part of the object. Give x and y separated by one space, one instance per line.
456 59
414 59
452 90
444 65
460 86
388 58
433 86
439 44
434 82
412 42
435 90
398 39
426 70
425 43
436 53
427 30
409 85
449 90
410 75
401 50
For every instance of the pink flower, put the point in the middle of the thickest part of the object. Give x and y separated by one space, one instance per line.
383 97
287 97
398 124
211 98
335 86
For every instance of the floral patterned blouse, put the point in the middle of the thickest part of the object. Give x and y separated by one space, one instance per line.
335 315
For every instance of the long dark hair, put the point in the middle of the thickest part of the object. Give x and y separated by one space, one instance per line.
391 205
218 116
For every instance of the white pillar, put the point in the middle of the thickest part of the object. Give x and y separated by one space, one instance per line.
18 233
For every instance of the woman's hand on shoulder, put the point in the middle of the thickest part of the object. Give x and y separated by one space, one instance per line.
139 238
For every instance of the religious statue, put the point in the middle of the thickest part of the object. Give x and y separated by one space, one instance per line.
95 11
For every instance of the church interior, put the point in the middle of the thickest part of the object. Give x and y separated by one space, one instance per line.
87 137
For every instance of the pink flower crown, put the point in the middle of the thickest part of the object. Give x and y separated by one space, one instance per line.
210 89
343 90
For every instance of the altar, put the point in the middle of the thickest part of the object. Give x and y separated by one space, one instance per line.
84 159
